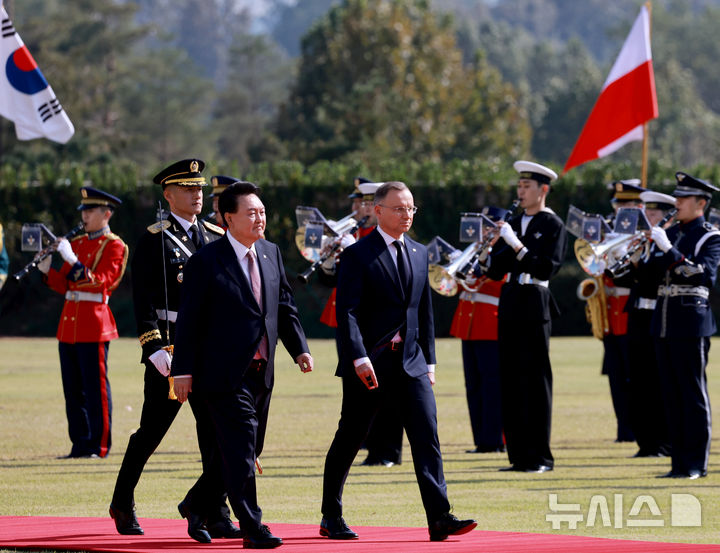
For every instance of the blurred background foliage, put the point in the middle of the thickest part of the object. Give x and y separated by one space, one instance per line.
301 96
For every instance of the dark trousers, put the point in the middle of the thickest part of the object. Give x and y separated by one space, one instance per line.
682 363
385 438
526 390
88 401
416 405
645 400
616 366
482 388
239 420
207 496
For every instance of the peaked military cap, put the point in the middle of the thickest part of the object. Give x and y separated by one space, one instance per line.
626 190
187 172
534 171
92 197
494 213
368 189
657 200
688 185
220 183
357 181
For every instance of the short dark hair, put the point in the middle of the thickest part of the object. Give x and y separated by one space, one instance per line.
228 199
385 188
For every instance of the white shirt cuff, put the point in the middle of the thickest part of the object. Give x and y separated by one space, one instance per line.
182 376
431 368
361 361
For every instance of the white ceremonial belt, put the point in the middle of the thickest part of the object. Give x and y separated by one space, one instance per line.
683 290
527 278
166 315
645 303
71 295
477 297
617 291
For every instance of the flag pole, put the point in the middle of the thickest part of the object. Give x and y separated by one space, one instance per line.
643 176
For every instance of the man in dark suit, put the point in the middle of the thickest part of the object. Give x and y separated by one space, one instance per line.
685 264
386 350
157 276
240 280
534 249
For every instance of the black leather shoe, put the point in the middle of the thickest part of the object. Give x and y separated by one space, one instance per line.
512 468
538 468
261 538
673 474
196 524
336 529
224 528
125 522
449 525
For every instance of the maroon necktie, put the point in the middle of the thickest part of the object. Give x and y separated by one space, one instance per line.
254 272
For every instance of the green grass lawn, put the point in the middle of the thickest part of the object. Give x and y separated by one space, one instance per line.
303 418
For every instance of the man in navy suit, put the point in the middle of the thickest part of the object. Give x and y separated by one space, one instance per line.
386 349
240 280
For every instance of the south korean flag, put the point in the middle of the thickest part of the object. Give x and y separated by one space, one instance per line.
26 98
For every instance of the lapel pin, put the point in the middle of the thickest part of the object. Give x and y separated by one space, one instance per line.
264 256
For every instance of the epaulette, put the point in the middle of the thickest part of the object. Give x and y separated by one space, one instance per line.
213 228
707 226
159 226
112 236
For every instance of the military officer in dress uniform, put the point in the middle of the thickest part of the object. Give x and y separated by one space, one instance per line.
646 410
686 261
94 264
535 244
156 298
625 193
219 183
476 324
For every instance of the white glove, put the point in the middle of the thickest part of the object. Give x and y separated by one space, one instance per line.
65 250
660 238
328 266
511 239
44 265
347 240
162 360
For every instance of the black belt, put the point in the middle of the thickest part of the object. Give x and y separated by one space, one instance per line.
258 364
390 346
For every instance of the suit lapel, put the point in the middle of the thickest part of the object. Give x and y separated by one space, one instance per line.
267 268
417 260
386 260
231 265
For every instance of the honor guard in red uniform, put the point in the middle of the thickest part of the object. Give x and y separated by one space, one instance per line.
157 273
219 183
94 264
476 324
616 363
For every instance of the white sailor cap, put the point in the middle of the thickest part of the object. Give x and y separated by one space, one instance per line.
369 188
535 171
657 200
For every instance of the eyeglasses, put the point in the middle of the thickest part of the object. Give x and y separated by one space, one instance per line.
400 211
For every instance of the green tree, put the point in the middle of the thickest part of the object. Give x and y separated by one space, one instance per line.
387 78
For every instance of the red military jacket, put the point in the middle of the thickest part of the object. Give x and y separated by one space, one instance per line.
100 267
328 315
617 297
476 316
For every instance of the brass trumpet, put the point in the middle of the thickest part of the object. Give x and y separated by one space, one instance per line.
445 279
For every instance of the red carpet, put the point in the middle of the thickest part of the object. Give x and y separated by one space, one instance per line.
169 535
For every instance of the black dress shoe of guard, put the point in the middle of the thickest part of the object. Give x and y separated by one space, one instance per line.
512 468
538 468
125 522
673 474
449 525
196 524
224 528
336 529
261 538
486 449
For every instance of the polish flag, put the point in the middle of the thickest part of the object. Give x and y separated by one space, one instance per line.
626 102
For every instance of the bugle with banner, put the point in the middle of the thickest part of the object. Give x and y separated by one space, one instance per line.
32 241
